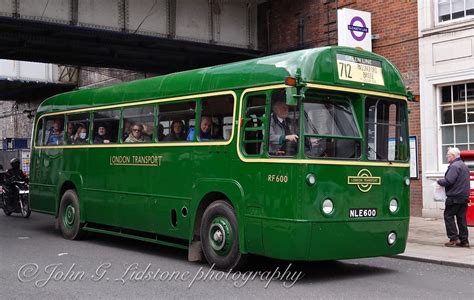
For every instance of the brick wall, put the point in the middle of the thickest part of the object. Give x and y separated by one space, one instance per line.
14 120
396 23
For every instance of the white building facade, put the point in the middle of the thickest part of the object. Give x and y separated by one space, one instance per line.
446 47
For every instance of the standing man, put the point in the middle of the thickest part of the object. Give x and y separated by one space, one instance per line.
456 182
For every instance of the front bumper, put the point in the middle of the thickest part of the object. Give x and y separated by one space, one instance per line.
311 241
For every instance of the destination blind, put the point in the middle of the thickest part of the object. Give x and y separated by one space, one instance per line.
359 69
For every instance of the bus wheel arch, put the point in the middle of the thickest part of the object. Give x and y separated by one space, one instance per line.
203 204
216 212
67 185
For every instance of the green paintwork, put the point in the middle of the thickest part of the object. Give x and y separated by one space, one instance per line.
275 219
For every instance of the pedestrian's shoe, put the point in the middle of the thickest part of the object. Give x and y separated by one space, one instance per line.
463 244
451 243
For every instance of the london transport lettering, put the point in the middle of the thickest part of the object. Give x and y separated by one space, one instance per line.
135 160
359 69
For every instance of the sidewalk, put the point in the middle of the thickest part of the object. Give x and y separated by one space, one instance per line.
426 240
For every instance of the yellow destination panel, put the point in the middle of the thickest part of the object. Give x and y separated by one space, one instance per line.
359 69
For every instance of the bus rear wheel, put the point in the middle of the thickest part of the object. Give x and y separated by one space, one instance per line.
69 216
219 236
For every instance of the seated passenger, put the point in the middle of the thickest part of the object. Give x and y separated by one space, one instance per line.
147 131
161 134
70 133
217 132
55 134
283 131
136 134
102 137
81 136
126 129
177 132
206 130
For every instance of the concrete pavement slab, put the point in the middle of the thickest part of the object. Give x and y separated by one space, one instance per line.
426 240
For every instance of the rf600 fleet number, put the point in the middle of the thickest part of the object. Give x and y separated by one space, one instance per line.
277 178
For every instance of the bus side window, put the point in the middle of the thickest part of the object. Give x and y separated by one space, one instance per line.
77 129
283 127
216 118
176 119
54 134
106 126
138 124
253 126
39 132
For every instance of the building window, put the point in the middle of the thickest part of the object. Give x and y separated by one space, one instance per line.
457 117
454 9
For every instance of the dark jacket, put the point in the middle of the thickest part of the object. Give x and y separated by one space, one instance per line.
456 181
14 174
173 137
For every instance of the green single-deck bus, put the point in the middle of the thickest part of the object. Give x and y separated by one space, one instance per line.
296 156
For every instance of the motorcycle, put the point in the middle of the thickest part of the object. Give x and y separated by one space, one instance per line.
21 203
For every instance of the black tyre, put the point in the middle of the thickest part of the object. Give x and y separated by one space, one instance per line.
25 208
220 237
69 216
6 211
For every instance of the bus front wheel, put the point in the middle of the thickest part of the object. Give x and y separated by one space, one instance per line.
69 216
219 236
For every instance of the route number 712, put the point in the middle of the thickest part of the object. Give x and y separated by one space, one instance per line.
345 70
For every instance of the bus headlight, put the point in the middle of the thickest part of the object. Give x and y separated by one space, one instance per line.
310 179
407 181
391 238
393 206
328 206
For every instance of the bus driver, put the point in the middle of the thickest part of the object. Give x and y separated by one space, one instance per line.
283 131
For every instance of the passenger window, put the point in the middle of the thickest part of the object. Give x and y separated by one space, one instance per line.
283 127
216 119
175 119
39 132
138 124
77 132
54 134
253 125
106 125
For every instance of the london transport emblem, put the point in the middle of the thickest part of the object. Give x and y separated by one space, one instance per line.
364 180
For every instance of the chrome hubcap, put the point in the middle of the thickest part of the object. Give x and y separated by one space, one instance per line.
218 237
69 216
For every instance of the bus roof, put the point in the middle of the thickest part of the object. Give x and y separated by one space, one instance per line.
317 65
